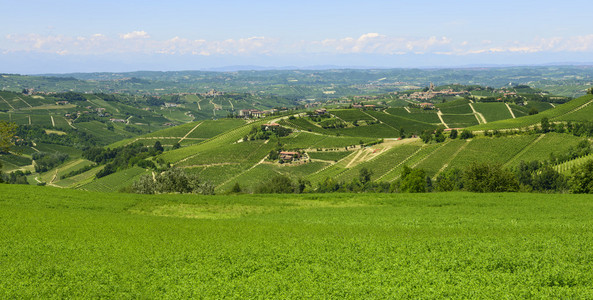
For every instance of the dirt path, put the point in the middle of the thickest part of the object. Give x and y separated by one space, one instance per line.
250 168
510 110
231 103
478 115
29 119
400 163
354 159
24 101
450 159
53 123
7 103
440 115
525 149
407 109
189 132
69 123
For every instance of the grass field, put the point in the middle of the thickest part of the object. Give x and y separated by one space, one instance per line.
57 243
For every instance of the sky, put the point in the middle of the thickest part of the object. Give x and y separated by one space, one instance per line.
62 36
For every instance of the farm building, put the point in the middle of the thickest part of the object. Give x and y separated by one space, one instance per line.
288 156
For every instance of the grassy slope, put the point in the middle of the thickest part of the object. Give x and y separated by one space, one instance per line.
62 243
563 112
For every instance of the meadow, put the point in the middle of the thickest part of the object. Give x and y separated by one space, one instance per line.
58 243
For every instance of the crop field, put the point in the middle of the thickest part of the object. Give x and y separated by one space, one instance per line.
408 124
381 164
251 151
114 182
460 121
370 131
12 162
63 243
250 179
350 115
540 149
562 112
300 140
440 157
426 116
493 111
460 106
329 155
492 150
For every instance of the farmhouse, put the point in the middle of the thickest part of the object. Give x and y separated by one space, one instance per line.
321 111
61 102
270 126
427 105
288 156
117 120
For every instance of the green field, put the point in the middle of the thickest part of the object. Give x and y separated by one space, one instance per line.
57 243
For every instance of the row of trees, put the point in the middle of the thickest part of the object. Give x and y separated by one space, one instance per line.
532 176
173 180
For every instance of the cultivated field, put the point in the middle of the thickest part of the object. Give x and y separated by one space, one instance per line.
57 243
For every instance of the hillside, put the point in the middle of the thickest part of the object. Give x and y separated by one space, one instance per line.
66 243
378 133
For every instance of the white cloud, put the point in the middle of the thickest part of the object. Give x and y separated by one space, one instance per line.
368 43
135 35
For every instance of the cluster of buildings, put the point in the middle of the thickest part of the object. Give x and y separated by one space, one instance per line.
256 113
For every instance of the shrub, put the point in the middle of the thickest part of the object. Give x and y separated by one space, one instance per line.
485 178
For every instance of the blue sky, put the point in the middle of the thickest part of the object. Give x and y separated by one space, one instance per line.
67 36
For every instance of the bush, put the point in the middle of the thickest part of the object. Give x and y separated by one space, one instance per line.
581 181
489 178
174 180
466 134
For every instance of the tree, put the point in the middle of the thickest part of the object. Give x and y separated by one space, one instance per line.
176 146
489 178
414 182
279 184
236 188
466 134
158 147
453 134
7 132
581 181
364 175
450 180
590 91
533 111
426 136
545 124
174 180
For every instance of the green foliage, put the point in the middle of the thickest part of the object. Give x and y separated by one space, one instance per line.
450 180
16 177
174 180
533 111
489 178
279 184
413 181
7 133
581 181
466 134
453 134
45 161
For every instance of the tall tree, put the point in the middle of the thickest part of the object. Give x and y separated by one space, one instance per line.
7 132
